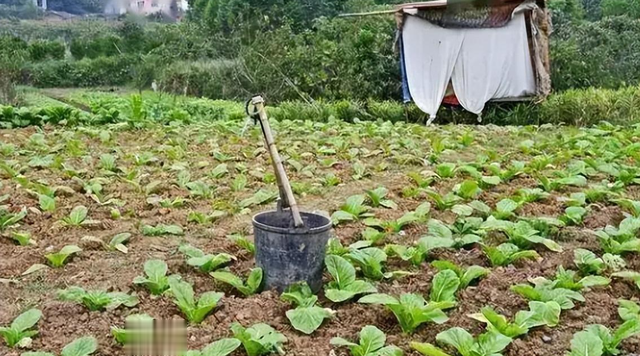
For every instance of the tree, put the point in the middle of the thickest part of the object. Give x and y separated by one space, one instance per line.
13 52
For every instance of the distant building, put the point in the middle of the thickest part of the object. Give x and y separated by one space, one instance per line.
40 3
146 7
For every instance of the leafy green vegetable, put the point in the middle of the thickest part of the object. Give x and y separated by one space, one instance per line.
8 219
23 238
544 291
138 327
599 340
59 259
371 343
419 180
97 300
393 226
466 276
539 314
306 316
47 203
344 285
222 347
83 346
156 279
243 242
352 210
457 237
377 198
199 189
77 217
469 189
259 339
574 215
505 209
446 170
162 229
521 234
412 310
514 170
526 195
252 286
632 207
630 275
117 242
628 310
443 202
373 236
194 310
569 279
613 262
506 254
202 219
205 262
556 184
487 344
622 239
587 262
260 197
584 343
20 331
220 171
370 261
444 286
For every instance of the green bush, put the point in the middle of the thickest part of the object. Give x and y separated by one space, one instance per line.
253 16
592 9
565 12
599 54
579 107
630 8
590 106
12 54
339 59
211 79
83 73
52 30
44 49
19 11
107 45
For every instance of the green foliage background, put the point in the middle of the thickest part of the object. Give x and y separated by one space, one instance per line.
292 50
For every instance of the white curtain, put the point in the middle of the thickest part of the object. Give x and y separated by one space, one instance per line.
482 64
493 63
430 53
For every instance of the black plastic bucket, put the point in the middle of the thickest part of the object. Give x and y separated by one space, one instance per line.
287 254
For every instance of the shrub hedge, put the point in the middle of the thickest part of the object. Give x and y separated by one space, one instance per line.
579 107
83 73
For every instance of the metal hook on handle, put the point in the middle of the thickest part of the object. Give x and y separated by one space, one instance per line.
287 199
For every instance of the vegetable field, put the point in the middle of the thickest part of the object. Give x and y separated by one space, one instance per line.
450 240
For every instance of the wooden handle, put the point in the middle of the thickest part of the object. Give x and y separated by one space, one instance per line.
286 194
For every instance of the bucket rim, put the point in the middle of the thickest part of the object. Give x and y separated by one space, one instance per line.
289 231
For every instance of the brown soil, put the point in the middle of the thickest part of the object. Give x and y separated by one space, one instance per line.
94 268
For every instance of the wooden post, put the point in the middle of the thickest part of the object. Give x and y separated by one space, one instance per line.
286 194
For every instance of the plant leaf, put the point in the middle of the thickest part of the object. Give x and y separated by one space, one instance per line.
444 286
371 339
458 338
26 320
307 319
585 344
80 347
222 347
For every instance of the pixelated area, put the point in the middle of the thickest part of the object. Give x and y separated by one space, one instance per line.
155 337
